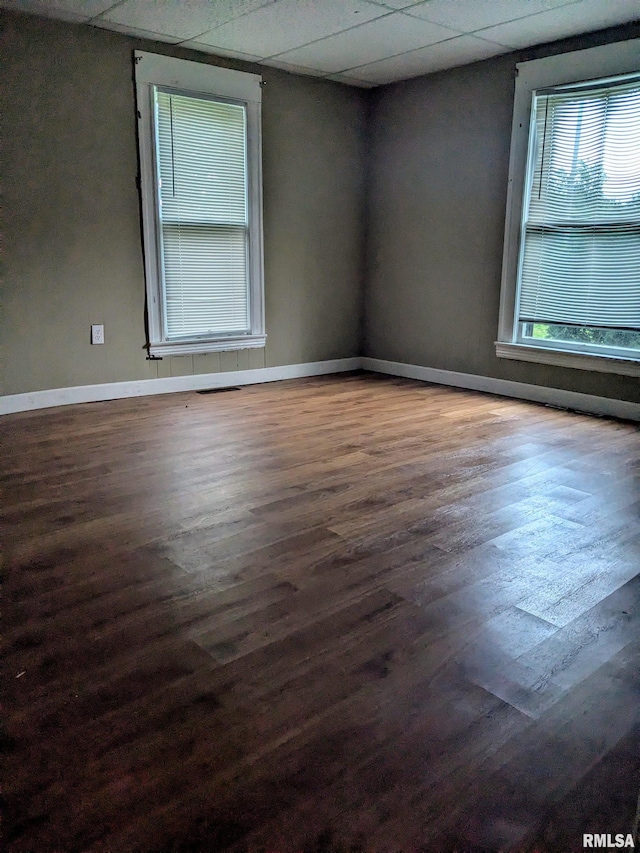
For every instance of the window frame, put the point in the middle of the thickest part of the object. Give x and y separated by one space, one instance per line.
578 67
197 79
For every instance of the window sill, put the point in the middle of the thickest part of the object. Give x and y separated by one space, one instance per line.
566 358
218 345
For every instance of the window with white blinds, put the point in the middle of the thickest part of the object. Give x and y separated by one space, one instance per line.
570 292
580 264
202 161
200 152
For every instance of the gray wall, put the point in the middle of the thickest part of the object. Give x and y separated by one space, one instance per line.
428 158
436 202
72 251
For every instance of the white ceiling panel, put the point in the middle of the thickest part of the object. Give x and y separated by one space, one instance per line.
350 81
220 51
396 4
445 54
580 17
287 24
185 19
368 43
466 16
77 10
294 69
133 31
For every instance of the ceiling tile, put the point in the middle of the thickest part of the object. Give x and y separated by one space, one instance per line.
467 17
571 20
445 54
185 19
350 81
75 10
396 4
133 31
220 51
287 24
372 41
294 69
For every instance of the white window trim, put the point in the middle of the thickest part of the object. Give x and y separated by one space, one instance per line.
593 63
198 78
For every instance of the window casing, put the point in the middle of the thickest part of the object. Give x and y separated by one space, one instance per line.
200 164
570 290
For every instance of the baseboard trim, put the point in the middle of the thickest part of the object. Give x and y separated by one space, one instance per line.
13 403
506 388
589 403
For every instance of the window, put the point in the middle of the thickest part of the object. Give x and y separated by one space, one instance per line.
199 144
571 271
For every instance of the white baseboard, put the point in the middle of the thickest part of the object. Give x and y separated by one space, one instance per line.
505 388
199 382
146 387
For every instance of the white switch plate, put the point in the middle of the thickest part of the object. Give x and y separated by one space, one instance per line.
97 333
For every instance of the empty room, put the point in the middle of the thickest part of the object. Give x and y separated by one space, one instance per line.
319 409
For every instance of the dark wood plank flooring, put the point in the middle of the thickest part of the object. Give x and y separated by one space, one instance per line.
345 613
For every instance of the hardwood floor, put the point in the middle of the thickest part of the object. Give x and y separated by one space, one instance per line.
340 614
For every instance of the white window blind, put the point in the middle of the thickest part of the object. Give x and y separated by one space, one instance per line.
580 263
202 165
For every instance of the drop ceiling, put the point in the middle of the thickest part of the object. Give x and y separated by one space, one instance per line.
359 42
